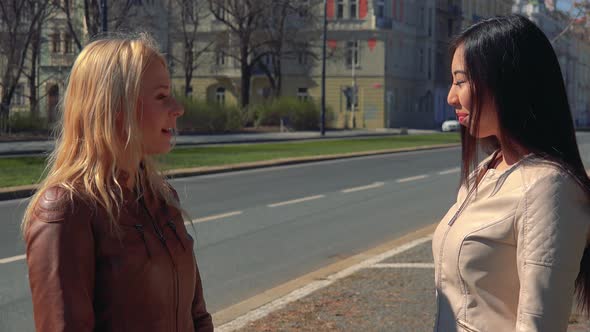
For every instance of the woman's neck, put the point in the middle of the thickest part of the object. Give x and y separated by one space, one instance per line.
509 156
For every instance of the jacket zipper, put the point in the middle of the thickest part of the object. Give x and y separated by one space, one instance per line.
160 235
172 226
139 228
444 239
464 326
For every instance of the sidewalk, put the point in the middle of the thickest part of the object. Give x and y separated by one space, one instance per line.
395 294
11 148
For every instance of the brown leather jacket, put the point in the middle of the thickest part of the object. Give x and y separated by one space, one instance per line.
83 277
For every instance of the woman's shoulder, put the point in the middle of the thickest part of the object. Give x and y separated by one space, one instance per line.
56 203
536 171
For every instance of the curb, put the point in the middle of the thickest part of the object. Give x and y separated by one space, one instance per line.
28 190
183 145
236 314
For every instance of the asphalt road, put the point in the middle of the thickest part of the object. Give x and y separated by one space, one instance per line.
258 229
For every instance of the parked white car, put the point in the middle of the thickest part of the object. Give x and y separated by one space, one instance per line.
450 125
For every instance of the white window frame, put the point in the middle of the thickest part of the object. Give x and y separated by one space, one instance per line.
303 94
19 95
220 58
353 9
339 9
353 53
220 95
302 58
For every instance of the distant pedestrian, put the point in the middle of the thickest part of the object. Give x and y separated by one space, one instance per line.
106 244
512 251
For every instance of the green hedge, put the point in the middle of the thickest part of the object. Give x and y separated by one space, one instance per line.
296 114
25 121
201 116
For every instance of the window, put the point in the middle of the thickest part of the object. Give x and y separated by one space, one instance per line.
421 17
68 43
302 58
220 95
421 60
429 22
268 60
220 58
340 9
429 63
55 43
450 27
302 94
353 9
352 53
380 8
19 95
219 11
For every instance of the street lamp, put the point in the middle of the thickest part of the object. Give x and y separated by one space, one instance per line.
323 121
103 16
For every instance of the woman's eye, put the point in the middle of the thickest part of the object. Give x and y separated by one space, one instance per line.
458 83
160 97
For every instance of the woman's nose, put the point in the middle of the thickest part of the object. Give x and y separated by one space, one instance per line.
452 98
178 109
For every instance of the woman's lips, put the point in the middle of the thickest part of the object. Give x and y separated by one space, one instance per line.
463 118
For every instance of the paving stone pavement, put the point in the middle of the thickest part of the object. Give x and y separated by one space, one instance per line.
382 298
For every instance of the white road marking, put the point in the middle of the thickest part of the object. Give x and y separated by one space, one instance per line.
314 286
403 266
12 259
295 201
371 186
214 217
450 171
413 178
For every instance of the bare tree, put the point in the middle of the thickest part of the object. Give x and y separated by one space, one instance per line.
244 20
34 54
192 13
280 30
119 12
19 21
577 18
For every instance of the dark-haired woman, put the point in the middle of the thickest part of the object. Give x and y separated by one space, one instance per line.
511 252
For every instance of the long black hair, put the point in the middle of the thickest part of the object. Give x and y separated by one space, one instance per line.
510 60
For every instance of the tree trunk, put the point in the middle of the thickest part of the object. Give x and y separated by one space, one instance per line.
33 93
4 116
246 74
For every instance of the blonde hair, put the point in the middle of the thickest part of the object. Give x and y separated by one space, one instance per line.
99 128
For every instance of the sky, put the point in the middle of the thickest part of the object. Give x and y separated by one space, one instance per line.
564 5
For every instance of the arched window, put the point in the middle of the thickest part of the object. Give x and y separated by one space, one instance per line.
220 95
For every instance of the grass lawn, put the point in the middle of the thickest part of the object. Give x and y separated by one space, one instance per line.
28 170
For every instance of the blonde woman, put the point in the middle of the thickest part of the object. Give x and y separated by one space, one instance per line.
106 245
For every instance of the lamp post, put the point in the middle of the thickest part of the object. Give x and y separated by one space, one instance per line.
324 40
103 15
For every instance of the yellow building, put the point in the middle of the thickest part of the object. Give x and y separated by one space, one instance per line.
382 49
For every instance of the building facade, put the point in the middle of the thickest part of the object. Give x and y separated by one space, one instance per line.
393 53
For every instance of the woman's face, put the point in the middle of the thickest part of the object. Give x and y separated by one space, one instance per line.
460 99
157 110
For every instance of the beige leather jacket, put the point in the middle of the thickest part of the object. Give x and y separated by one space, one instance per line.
507 256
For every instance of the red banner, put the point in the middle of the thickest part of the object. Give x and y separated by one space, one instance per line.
363 9
372 43
330 9
332 44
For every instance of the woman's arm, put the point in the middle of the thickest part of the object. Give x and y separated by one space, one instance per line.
201 317
60 256
552 229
